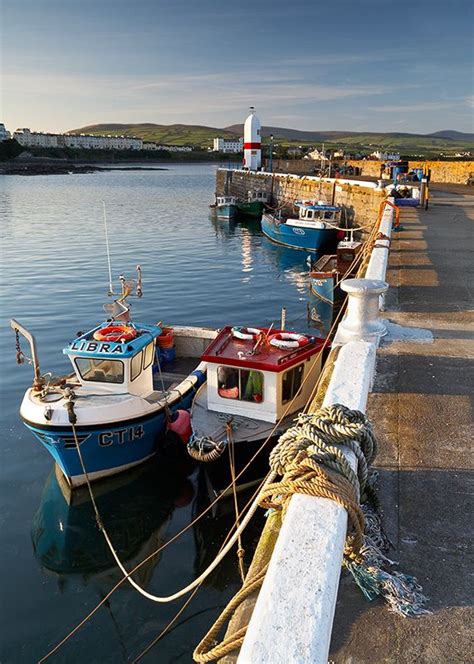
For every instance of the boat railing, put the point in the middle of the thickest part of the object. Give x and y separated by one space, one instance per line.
20 329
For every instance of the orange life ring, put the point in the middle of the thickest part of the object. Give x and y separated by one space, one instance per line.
115 333
289 340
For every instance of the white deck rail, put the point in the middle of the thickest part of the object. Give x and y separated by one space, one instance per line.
293 616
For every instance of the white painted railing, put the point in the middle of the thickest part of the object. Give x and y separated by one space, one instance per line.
292 619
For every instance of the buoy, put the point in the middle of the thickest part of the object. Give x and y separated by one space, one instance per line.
115 333
181 425
246 333
289 340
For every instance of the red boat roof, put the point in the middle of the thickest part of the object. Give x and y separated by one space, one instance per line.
229 350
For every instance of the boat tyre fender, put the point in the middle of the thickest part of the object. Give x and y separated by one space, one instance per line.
115 333
288 340
246 333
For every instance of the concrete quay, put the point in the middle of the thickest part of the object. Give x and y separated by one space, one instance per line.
421 406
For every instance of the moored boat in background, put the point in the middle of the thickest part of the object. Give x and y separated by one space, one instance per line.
254 205
225 207
316 228
328 271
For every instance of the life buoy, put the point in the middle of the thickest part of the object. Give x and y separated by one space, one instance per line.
289 340
246 333
115 333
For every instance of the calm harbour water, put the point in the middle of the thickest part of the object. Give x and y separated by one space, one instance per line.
54 565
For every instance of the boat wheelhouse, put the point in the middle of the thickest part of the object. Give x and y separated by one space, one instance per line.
328 271
316 228
257 379
119 399
254 205
225 207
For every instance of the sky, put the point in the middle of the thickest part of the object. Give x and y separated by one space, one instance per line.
359 65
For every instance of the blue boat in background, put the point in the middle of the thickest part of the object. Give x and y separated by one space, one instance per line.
316 228
225 207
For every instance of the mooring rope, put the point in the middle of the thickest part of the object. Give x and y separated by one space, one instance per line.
306 459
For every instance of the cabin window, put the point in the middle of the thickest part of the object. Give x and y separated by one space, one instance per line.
100 370
346 257
148 355
136 366
327 215
291 383
240 384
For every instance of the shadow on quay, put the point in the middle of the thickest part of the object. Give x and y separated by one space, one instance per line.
426 518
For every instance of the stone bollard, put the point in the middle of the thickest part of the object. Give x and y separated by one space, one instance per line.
362 321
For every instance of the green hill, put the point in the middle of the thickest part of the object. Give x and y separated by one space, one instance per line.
176 134
448 141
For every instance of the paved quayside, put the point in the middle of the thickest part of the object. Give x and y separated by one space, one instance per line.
421 409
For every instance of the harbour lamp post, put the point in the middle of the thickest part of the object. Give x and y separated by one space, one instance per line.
270 160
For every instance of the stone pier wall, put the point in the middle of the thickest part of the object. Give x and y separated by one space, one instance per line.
360 200
456 172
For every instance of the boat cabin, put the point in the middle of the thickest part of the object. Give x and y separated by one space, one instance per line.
115 358
249 376
257 196
309 211
347 251
226 200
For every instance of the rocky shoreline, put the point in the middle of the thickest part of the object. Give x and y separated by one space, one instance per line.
64 168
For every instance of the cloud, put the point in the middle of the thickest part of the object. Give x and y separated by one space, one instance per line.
414 108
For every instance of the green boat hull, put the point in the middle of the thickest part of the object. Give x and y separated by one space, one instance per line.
253 209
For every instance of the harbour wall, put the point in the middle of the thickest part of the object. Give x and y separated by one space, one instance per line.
360 200
455 172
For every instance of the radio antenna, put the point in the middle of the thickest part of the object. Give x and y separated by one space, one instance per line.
111 289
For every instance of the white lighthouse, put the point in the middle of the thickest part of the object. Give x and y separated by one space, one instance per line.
252 142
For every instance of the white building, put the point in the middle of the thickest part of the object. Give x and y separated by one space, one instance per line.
385 156
4 133
29 138
36 139
228 145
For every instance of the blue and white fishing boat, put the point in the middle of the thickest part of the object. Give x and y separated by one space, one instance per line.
225 207
316 228
119 398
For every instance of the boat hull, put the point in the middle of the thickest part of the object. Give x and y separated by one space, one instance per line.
297 237
108 449
253 209
225 212
219 471
324 288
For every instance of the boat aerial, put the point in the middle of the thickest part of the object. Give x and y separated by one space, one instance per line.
328 271
254 205
110 412
256 382
316 228
225 207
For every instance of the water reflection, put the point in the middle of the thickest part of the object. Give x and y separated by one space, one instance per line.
136 509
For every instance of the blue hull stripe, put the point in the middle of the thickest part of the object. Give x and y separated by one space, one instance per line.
108 446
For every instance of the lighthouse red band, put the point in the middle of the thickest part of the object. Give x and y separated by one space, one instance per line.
252 146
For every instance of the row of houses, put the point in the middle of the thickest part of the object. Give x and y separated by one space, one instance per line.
39 139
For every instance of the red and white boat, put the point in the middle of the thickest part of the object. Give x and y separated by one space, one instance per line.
257 380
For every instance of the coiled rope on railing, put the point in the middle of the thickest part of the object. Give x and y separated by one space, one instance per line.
309 462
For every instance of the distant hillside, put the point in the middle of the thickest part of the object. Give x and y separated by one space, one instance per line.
176 134
198 135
